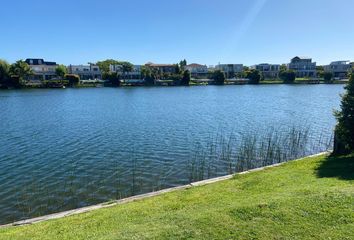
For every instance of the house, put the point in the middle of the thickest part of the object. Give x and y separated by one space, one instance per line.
85 72
268 71
339 69
163 68
230 69
197 70
42 70
134 74
303 67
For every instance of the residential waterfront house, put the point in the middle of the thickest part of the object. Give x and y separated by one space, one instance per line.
42 70
268 71
134 74
339 69
85 72
230 69
197 70
163 68
303 67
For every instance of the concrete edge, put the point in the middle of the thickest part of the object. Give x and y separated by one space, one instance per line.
141 196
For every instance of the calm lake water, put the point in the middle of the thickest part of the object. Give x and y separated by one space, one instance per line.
67 148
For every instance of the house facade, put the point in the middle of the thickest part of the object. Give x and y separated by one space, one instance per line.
85 72
303 67
134 74
197 70
339 69
268 71
163 68
42 70
230 69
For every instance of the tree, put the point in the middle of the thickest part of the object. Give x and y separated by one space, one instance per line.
183 63
254 76
320 71
4 72
344 131
60 71
114 79
104 66
218 77
19 71
186 78
283 68
126 67
146 73
73 79
288 76
328 76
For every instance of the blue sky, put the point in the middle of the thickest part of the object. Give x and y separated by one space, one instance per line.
166 31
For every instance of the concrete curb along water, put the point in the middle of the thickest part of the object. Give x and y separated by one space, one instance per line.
140 197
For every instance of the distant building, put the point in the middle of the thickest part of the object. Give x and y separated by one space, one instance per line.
303 66
230 69
269 71
163 68
86 72
197 70
339 69
42 70
134 74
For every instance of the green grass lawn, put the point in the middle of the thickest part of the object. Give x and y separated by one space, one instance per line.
306 199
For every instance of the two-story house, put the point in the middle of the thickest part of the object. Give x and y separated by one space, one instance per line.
163 68
303 67
197 70
85 72
231 70
339 69
135 73
42 70
268 71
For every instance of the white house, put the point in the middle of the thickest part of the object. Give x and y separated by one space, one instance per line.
197 70
42 70
303 66
86 72
339 69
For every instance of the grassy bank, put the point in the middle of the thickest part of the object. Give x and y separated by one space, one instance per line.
307 199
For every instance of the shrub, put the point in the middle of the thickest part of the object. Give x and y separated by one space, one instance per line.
219 77
73 79
288 76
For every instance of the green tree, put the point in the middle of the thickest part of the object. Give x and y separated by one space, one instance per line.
73 79
219 77
283 68
344 131
104 66
126 67
4 72
186 78
183 63
327 77
320 71
146 73
60 71
19 71
114 79
288 76
254 76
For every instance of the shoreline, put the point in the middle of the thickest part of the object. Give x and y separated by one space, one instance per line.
143 196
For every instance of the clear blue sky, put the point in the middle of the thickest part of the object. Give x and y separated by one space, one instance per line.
166 31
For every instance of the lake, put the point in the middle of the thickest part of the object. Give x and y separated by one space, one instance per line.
67 148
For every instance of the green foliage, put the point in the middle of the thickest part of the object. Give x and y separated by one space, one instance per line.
328 77
114 79
219 77
253 75
283 68
73 79
183 63
60 71
20 70
186 78
4 72
147 74
104 65
344 131
288 76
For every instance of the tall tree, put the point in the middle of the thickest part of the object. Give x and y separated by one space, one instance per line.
104 66
20 70
344 131
218 77
288 76
146 73
186 78
60 71
4 72
327 77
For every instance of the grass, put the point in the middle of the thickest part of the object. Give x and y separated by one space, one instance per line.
308 199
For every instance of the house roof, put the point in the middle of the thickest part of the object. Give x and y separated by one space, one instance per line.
195 65
38 61
159 65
